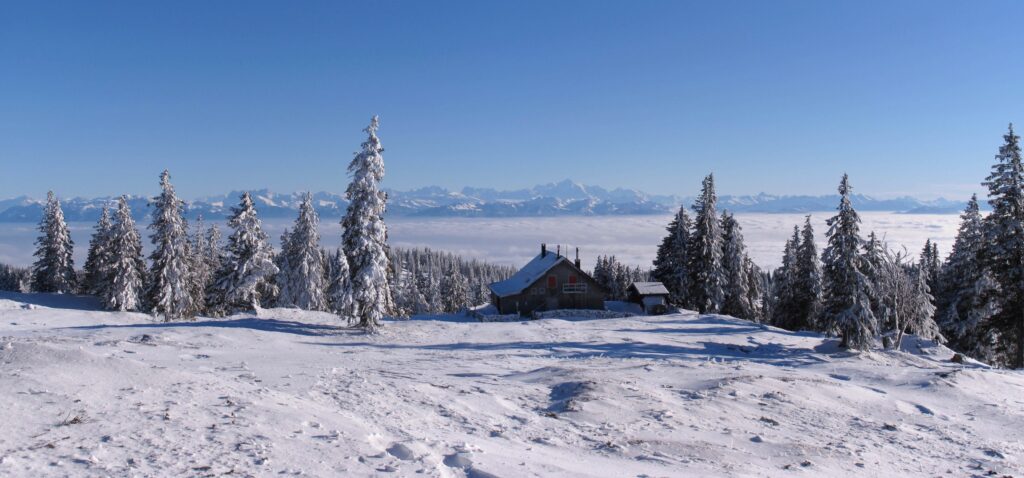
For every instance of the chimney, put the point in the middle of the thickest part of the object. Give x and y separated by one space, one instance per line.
543 249
558 250
577 258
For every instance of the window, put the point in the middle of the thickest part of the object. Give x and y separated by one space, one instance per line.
552 282
580 288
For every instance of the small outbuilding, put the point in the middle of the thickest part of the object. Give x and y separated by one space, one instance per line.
652 296
548 282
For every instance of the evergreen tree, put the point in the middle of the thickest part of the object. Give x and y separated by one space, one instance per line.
1004 254
807 281
211 254
284 279
126 268
786 310
96 279
54 269
964 300
671 266
201 267
249 262
307 268
365 236
707 278
339 290
846 302
170 275
756 290
734 262
454 291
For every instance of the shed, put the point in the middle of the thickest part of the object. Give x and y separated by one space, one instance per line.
652 296
548 282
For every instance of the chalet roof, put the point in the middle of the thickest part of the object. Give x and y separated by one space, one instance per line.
533 270
650 288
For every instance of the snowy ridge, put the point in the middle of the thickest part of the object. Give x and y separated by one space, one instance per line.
556 199
90 393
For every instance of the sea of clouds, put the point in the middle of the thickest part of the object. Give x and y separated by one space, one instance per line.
513 241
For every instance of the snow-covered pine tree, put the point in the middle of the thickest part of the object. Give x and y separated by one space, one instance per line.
672 261
249 261
1004 254
307 268
126 268
339 290
707 278
96 279
212 255
365 236
202 268
965 292
786 311
284 279
54 269
929 262
756 290
454 291
846 301
734 257
170 275
807 283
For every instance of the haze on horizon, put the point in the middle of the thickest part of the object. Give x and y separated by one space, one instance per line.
909 98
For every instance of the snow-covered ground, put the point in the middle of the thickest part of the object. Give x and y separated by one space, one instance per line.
514 241
90 393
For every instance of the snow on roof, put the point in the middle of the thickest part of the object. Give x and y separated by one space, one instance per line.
529 274
650 288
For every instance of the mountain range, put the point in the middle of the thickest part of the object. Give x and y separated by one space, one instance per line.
564 198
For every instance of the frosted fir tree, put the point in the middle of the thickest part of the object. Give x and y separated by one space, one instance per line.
170 294
734 260
846 303
306 277
1004 253
966 290
365 236
205 262
249 261
929 262
96 281
339 289
454 291
707 277
212 255
786 312
671 265
126 268
807 281
284 280
757 288
54 268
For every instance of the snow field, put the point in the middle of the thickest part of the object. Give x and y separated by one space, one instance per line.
286 392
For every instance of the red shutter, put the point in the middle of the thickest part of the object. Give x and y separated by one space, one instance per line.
552 282
572 279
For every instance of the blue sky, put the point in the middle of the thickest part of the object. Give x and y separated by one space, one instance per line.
908 97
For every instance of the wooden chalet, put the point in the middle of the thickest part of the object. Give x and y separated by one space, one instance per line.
652 296
548 282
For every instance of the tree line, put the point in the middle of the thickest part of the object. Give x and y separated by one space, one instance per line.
859 289
194 271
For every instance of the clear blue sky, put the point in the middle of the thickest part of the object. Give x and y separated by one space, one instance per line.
908 97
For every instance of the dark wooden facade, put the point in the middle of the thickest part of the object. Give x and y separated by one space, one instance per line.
548 284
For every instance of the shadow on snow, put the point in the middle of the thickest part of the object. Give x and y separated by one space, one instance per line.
265 325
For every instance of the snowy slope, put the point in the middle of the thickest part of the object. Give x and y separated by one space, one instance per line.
91 393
